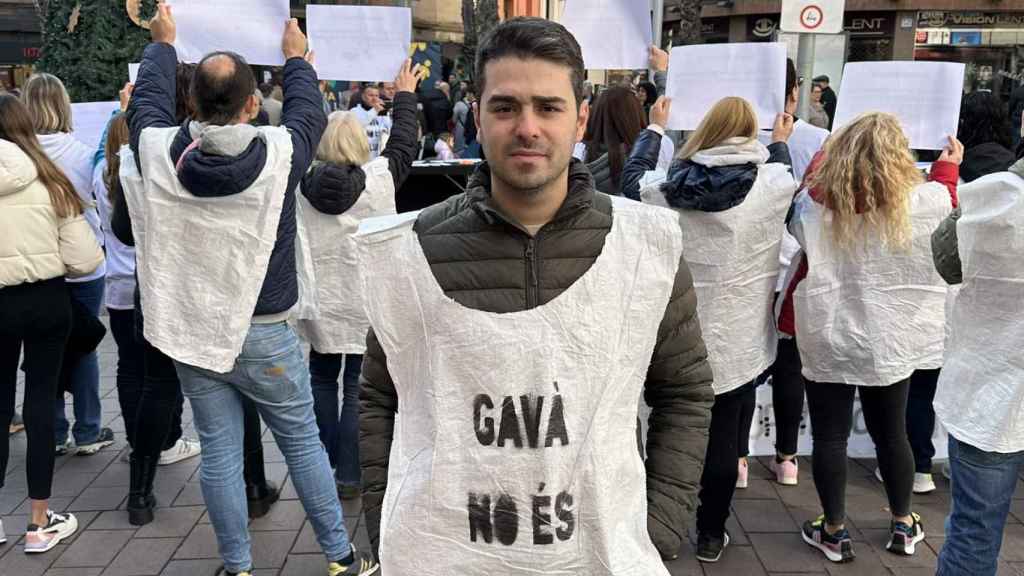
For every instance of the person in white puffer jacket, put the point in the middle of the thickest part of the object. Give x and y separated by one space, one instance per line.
45 238
50 109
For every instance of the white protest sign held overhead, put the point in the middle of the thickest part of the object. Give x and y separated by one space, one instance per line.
613 34
89 119
133 71
925 96
812 16
364 43
252 28
701 75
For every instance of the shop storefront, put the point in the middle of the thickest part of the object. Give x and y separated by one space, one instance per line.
870 34
991 44
18 52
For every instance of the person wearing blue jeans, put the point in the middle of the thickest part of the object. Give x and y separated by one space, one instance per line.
982 488
339 434
89 436
271 371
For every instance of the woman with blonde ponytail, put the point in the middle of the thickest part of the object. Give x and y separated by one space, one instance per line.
867 309
45 238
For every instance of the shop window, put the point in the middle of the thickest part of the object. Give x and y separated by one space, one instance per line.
869 49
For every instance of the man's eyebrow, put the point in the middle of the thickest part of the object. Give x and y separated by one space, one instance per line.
498 99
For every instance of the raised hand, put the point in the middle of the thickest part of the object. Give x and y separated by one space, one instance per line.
660 111
408 77
162 27
294 42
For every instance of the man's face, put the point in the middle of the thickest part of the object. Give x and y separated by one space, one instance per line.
371 97
388 91
816 94
528 122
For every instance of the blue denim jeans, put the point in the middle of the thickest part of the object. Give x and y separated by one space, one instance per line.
338 433
85 376
272 372
982 489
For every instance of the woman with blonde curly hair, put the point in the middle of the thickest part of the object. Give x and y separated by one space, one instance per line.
867 309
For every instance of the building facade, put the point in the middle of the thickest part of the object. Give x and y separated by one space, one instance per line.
20 41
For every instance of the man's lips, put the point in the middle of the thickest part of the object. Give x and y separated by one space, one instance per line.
527 154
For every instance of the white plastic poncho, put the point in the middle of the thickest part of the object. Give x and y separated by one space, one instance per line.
980 398
201 261
515 443
734 258
870 316
339 325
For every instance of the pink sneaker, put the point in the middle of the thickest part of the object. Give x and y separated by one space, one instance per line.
742 478
786 472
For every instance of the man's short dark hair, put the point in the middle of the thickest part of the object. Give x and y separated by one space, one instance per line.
266 89
821 78
220 98
532 38
791 77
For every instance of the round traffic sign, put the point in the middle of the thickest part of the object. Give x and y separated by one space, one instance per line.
811 17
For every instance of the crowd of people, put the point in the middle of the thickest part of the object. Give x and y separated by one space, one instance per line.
491 352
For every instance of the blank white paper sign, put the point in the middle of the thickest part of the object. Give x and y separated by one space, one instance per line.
133 71
701 75
89 120
613 34
362 43
925 96
252 28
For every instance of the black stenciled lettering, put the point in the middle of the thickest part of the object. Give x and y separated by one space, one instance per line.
479 508
506 520
484 435
531 418
564 513
556 424
541 519
509 427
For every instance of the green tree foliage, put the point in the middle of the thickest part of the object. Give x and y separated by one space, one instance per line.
92 57
478 18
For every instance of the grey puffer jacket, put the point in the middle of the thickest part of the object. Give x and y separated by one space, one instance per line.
481 259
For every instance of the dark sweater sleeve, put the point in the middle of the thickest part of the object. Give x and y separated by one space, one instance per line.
778 152
378 404
403 145
121 222
303 115
642 159
680 395
153 99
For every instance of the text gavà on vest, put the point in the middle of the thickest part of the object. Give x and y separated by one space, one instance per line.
526 422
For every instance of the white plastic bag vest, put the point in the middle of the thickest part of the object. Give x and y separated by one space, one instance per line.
201 262
515 443
980 398
734 258
339 325
870 316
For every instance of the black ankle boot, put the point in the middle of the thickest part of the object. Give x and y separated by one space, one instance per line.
141 501
259 492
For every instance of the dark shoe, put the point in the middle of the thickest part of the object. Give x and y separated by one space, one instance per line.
903 538
105 438
357 564
836 547
261 497
710 547
141 501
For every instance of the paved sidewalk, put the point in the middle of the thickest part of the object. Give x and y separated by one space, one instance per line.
180 542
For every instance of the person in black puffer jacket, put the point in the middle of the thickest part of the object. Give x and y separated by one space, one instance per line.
339 178
986 134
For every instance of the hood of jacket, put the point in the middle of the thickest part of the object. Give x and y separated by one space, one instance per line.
222 160
333 188
16 169
59 144
983 159
716 179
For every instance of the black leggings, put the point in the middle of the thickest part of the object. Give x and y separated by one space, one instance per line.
718 481
921 418
885 410
37 316
158 415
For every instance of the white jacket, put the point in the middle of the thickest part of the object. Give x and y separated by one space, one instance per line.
75 159
35 245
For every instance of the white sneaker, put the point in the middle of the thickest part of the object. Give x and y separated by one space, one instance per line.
183 449
923 483
3 537
43 538
878 475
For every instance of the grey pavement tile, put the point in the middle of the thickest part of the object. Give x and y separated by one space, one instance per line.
191 567
1013 543
352 508
736 560
143 557
73 572
736 533
757 488
764 516
284 515
11 499
191 494
306 542
304 565
270 549
867 563
786 553
71 484
1010 569
923 558
17 563
201 543
685 565
94 548
171 522
99 498
112 520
